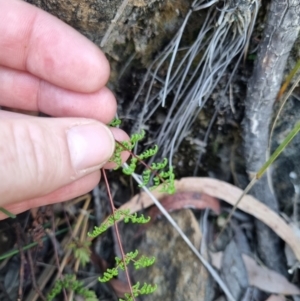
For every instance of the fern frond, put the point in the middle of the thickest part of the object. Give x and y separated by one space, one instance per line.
109 274
119 148
116 157
159 165
148 153
108 223
126 145
169 182
156 182
69 282
145 177
129 257
135 219
81 251
148 289
115 122
144 262
131 167
134 138
118 214
144 290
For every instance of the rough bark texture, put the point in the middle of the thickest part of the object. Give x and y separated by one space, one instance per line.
89 17
279 36
140 29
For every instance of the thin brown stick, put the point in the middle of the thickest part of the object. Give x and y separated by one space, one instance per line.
46 274
117 232
31 265
79 220
22 257
54 243
67 220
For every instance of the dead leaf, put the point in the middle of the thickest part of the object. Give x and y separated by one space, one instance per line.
233 270
261 277
188 199
230 194
268 280
216 259
119 287
276 298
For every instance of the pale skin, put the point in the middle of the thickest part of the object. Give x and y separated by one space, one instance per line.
47 66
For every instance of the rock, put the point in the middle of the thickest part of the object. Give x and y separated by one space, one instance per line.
178 273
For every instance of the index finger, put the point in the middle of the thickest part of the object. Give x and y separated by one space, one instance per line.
39 43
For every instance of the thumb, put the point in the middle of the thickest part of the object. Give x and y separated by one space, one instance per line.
40 155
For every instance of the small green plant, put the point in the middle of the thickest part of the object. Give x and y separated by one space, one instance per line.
137 291
158 175
69 282
131 257
81 251
118 214
122 263
161 176
142 262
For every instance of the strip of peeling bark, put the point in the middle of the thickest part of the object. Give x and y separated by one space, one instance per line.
279 36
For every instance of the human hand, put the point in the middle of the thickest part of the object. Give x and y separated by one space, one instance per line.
47 66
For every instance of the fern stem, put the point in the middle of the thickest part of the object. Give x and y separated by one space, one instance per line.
117 232
154 172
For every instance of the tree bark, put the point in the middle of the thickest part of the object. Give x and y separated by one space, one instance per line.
279 36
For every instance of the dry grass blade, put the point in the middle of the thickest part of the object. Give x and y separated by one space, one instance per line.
193 72
87 198
261 277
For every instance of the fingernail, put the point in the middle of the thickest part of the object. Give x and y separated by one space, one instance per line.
90 145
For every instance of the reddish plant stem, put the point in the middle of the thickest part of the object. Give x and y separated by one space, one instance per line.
117 231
